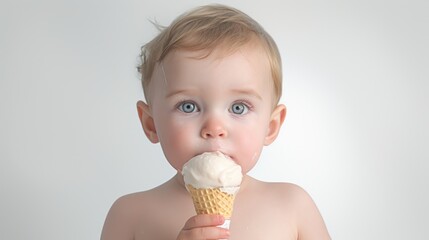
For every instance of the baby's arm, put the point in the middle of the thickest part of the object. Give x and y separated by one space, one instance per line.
310 223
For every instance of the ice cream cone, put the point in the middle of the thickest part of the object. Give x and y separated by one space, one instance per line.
213 200
203 174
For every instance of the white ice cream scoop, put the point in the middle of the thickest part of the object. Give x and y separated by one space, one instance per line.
212 170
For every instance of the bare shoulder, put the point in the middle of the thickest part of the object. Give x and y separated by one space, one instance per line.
285 188
158 213
123 216
282 191
298 202
293 193
296 207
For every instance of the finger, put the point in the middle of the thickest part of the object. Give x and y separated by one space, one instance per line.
204 220
205 233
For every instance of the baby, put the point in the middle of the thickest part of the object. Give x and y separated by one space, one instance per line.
212 82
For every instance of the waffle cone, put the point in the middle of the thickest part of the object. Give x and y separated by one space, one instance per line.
212 201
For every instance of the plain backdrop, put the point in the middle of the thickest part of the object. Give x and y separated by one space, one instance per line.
355 137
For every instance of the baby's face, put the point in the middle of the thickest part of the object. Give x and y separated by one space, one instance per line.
213 104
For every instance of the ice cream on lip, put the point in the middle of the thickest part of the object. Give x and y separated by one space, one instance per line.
212 170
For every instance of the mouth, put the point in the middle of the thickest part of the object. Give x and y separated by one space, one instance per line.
216 152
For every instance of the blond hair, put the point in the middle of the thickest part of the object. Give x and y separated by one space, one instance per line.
208 28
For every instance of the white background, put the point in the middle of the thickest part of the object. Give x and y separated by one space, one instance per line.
355 137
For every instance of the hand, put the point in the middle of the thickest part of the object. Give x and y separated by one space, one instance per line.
204 226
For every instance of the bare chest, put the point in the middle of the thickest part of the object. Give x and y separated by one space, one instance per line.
261 211
250 231
256 222
250 221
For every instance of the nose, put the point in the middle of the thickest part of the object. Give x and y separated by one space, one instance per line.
213 129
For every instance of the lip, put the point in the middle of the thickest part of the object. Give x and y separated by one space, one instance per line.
226 154
217 150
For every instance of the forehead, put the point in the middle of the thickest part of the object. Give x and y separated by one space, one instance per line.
247 67
250 58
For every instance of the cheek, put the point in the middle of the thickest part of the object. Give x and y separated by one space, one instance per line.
249 143
249 151
177 141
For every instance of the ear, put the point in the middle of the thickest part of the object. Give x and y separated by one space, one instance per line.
277 118
147 122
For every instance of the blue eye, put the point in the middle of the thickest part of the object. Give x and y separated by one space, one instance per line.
187 107
239 108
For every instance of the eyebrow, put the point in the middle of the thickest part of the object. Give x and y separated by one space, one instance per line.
247 91
180 91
